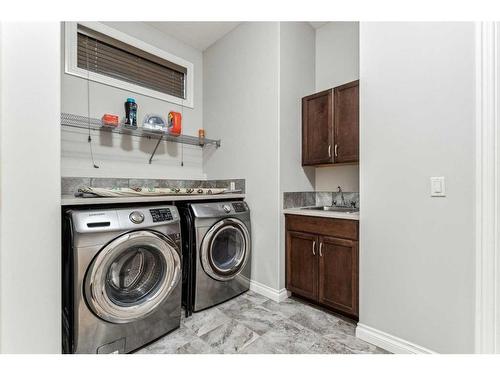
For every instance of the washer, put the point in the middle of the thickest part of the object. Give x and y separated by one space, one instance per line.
217 252
121 278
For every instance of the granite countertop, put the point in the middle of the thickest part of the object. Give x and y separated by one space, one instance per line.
70 200
319 213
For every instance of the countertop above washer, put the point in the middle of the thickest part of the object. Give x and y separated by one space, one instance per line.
69 200
317 213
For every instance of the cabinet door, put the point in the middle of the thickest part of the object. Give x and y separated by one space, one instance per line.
302 264
338 274
317 128
346 123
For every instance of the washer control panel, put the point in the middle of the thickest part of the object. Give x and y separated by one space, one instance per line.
109 220
161 214
136 217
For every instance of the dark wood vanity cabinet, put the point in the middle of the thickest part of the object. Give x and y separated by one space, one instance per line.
330 126
322 261
302 264
338 274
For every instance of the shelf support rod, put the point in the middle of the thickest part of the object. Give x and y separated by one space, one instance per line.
156 147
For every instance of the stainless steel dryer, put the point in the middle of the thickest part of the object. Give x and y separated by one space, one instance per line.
121 278
217 251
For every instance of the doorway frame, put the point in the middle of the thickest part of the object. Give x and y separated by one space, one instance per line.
487 232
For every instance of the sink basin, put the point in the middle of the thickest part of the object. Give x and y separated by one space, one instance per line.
346 210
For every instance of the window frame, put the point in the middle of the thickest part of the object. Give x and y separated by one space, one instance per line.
71 61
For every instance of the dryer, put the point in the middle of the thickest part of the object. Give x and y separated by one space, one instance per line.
217 252
121 278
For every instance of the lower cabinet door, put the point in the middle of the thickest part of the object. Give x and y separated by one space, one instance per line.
302 264
338 274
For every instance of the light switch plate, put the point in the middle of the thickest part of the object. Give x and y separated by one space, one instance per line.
438 187
231 186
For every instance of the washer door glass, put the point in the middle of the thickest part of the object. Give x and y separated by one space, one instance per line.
132 276
225 249
135 274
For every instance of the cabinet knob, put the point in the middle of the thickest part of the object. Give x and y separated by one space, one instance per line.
336 148
320 247
314 248
329 151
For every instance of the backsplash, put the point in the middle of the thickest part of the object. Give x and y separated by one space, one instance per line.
70 185
322 198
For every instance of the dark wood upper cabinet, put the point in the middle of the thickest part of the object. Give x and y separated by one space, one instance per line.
317 128
346 123
330 126
301 264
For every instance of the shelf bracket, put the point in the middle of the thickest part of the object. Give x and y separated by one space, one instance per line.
156 147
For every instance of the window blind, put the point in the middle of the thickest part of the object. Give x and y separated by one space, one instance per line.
104 55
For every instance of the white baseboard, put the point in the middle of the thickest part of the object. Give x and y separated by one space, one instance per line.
389 342
271 293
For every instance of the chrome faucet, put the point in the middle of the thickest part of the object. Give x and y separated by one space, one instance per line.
342 196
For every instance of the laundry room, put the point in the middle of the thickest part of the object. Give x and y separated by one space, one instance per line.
125 167
219 186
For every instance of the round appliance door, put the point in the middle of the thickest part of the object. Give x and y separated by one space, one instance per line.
131 276
225 249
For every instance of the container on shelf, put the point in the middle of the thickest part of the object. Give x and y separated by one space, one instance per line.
109 120
174 123
201 137
154 123
131 113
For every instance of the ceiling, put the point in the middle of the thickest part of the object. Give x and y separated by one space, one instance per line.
199 35
317 25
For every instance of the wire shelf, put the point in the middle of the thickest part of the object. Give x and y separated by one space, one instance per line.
82 122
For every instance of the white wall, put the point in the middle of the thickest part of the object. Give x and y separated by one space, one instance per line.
337 54
241 106
30 266
296 72
329 178
337 62
417 121
124 156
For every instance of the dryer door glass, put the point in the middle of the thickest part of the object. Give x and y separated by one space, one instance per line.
225 249
132 276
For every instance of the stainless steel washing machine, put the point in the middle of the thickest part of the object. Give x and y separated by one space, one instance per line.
218 241
121 278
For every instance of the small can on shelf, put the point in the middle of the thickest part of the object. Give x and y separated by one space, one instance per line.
201 137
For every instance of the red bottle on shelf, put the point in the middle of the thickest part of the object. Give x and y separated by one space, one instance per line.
174 123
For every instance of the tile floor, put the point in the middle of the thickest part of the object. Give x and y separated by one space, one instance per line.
254 324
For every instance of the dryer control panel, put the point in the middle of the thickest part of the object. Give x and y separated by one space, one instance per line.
240 206
220 209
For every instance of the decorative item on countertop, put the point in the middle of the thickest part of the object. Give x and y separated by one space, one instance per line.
110 120
201 137
174 123
131 113
88 191
154 123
